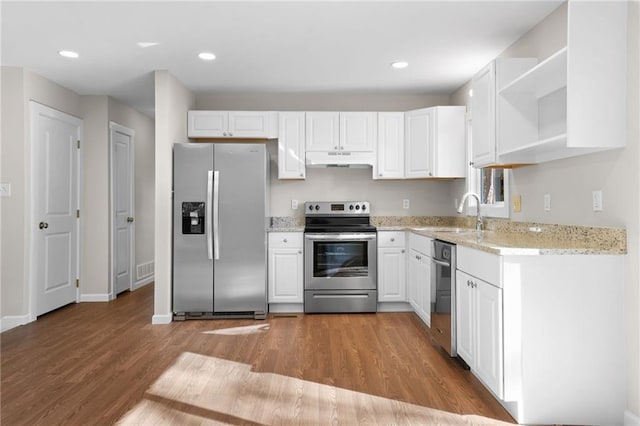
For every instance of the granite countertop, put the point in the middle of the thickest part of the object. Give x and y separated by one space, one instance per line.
502 237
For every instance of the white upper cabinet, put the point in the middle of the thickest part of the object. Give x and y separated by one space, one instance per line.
322 131
357 131
390 153
573 102
483 106
232 124
435 142
291 150
340 138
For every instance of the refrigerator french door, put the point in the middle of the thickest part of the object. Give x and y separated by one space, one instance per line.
220 217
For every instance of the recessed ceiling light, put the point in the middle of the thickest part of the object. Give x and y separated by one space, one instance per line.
206 56
144 44
68 54
399 64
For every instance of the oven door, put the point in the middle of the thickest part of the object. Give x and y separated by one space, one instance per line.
340 261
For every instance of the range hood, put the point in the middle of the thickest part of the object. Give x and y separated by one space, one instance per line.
339 159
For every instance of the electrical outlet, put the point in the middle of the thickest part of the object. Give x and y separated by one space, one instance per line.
5 190
294 204
405 204
547 202
517 203
597 200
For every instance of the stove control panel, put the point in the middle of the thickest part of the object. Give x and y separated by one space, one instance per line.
328 208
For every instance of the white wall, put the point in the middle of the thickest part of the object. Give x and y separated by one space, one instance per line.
94 211
173 101
426 197
571 181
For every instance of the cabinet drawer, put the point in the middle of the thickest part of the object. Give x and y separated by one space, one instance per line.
285 240
421 244
391 239
480 264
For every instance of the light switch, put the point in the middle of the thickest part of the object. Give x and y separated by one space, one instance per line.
517 203
294 204
547 202
405 204
597 200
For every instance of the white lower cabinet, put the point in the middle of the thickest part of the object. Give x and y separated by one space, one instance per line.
479 332
392 265
419 276
543 333
286 280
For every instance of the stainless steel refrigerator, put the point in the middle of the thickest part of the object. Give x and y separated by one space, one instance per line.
220 218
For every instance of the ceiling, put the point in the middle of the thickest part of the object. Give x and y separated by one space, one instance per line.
263 46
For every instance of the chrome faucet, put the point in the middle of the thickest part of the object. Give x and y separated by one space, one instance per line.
478 217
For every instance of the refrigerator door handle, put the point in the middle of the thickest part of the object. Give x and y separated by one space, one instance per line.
216 214
208 218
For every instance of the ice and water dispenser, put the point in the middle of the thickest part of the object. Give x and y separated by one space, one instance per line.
193 217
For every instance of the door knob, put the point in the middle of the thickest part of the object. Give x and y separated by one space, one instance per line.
129 219
43 225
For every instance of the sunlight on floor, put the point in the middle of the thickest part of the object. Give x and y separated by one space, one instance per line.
200 389
235 331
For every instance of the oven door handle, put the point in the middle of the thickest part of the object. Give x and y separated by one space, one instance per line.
441 263
340 237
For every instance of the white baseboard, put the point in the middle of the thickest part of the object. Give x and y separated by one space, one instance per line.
394 307
95 297
162 319
281 308
631 419
143 282
13 321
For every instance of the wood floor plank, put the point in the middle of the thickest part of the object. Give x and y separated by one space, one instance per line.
103 363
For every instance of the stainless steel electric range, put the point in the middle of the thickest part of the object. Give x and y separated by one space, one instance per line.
340 268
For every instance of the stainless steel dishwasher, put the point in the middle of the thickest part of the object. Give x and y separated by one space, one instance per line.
443 295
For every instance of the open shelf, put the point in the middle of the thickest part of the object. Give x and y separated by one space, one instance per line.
538 150
546 77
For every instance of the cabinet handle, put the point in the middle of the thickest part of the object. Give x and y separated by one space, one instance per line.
471 163
299 251
418 257
335 147
468 283
393 239
224 133
301 174
402 251
430 174
43 225
230 134
284 241
380 174
341 148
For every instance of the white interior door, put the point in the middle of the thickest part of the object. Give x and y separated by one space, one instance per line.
55 147
122 207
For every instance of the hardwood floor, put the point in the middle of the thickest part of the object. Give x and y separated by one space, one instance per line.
103 363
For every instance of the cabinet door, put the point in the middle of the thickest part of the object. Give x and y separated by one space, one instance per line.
322 131
418 143
483 122
207 124
465 311
449 145
488 363
390 153
285 276
392 286
357 131
291 159
250 124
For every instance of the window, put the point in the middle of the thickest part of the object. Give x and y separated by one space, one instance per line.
492 185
